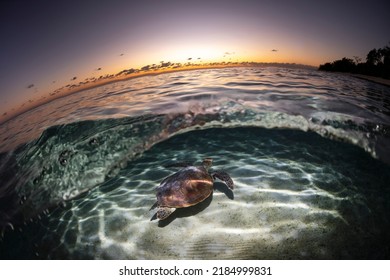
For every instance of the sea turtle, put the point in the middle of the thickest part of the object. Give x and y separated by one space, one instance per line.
187 187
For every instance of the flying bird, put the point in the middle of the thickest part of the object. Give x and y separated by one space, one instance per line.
274 50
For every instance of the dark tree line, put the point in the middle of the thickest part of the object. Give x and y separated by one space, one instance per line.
377 64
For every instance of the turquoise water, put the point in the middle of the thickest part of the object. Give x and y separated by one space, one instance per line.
308 152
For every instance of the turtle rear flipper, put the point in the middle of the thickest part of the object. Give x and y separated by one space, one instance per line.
223 176
164 212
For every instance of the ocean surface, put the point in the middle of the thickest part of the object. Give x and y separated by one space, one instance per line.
308 151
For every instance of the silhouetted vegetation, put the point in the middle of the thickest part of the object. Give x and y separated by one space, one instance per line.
377 64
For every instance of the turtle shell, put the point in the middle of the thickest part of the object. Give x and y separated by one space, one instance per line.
185 188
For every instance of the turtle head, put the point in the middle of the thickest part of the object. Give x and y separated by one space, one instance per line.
207 162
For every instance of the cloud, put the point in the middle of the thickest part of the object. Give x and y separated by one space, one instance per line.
126 72
228 53
165 64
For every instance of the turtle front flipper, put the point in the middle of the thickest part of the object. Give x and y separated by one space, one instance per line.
164 212
223 176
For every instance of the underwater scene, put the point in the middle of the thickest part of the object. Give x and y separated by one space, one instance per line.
308 152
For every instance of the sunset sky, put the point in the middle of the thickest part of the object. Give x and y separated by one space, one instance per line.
47 43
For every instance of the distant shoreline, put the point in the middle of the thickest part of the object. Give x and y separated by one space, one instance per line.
377 80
